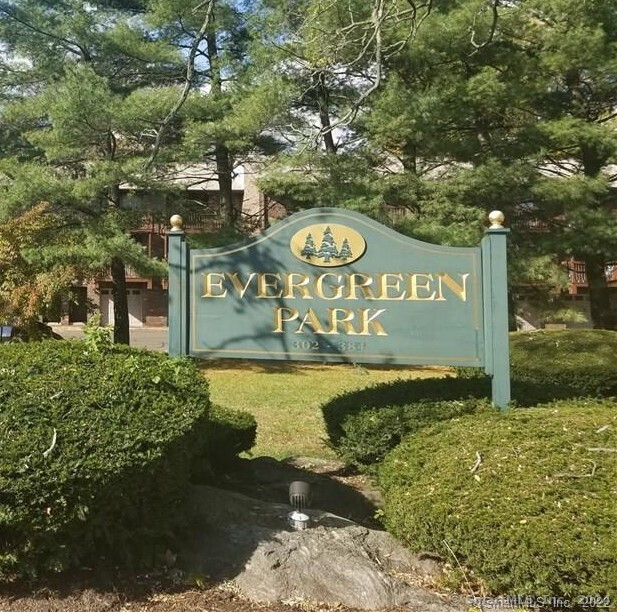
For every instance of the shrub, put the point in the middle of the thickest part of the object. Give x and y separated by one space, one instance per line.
372 433
364 425
537 516
546 365
230 433
569 363
338 411
95 455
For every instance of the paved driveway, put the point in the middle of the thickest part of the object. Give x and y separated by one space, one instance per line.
153 338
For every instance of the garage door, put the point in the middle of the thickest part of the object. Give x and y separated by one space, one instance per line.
135 300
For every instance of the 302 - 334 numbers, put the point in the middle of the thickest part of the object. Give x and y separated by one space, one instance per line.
344 346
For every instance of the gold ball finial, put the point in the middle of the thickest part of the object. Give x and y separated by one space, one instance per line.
496 217
176 223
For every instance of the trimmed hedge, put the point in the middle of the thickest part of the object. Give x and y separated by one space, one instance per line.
96 453
536 517
398 394
372 433
230 433
364 425
569 363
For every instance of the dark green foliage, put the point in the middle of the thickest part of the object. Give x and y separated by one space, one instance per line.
537 516
230 433
400 393
364 425
373 433
569 363
96 452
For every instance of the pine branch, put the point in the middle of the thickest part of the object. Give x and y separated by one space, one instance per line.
70 45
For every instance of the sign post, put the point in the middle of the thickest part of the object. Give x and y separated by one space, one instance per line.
178 288
494 272
332 285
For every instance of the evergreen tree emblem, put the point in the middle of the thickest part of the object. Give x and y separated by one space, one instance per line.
328 249
345 252
309 249
325 252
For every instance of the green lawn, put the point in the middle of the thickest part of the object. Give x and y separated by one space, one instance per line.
285 398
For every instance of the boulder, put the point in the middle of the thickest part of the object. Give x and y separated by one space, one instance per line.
335 560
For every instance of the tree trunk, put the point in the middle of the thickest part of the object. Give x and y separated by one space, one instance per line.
599 296
323 106
224 173
224 165
121 306
118 273
599 299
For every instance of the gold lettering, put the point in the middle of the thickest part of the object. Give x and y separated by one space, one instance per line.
412 286
415 285
368 320
310 318
338 289
210 285
362 282
460 291
346 321
263 284
283 315
300 284
389 281
241 288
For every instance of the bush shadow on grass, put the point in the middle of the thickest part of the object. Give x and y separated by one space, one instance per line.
268 479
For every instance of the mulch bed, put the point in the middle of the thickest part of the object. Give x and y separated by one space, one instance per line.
86 592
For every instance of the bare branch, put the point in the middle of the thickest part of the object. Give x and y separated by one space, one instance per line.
494 19
188 80
372 50
54 437
589 474
477 464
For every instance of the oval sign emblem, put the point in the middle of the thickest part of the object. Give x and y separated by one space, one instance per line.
327 245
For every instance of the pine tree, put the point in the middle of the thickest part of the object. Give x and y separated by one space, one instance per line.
236 93
328 249
86 85
345 252
103 94
309 249
513 108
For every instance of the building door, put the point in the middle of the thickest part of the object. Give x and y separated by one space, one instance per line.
135 304
78 307
107 307
135 307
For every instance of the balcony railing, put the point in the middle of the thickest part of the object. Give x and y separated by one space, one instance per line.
192 221
577 273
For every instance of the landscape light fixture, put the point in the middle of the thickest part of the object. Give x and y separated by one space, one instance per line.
300 499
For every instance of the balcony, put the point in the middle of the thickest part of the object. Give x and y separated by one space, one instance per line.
192 222
577 275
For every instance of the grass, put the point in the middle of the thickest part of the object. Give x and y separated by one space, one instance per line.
286 398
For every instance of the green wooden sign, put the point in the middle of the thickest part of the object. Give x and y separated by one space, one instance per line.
332 285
